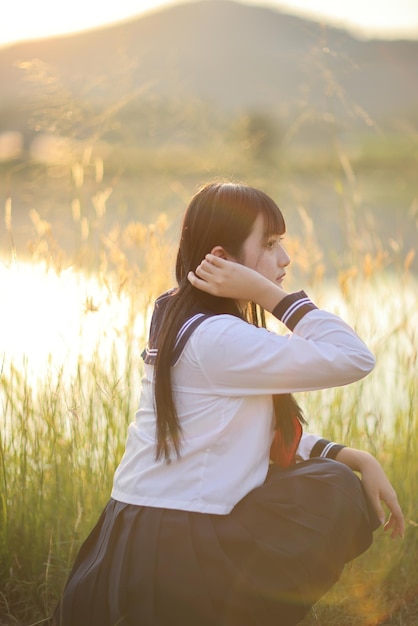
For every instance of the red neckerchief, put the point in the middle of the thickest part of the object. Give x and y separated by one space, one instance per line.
282 455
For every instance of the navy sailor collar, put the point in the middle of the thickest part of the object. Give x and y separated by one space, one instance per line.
150 353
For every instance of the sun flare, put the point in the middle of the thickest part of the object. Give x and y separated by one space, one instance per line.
46 18
50 319
25 20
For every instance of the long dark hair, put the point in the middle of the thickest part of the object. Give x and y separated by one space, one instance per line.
219 214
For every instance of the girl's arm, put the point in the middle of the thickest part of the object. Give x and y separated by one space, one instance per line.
375 481
377 487
322 351
228 279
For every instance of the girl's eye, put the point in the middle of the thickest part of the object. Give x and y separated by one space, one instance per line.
272 243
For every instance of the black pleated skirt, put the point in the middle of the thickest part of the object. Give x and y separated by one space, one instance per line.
266 563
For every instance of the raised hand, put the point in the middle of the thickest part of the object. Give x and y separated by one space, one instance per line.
229 279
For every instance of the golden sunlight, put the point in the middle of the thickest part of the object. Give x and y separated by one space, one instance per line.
47 18
49 320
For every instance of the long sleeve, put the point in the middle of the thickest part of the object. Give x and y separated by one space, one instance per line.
322 351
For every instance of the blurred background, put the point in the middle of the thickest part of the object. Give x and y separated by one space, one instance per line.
122 122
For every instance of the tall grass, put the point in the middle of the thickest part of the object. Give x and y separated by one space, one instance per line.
65 416
378 414
64 422
63 431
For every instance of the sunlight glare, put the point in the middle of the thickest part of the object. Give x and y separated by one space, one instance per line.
49 320
23 20
46 18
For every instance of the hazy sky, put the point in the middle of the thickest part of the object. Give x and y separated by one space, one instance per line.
28 19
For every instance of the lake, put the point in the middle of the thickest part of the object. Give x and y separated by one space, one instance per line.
49 321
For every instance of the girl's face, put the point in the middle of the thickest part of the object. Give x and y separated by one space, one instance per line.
265 253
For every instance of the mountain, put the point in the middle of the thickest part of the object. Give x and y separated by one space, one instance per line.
230 56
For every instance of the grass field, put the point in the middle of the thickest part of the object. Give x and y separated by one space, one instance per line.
73 323
66 405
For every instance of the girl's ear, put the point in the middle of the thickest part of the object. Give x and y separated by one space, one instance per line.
221 253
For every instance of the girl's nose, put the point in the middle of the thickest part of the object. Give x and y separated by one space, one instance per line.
283 258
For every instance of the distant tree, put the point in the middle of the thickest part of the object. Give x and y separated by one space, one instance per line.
258 133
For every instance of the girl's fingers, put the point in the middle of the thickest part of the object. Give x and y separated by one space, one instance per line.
396 522
197 282
207 280
206 266
396 525
215 260
394 507
201 270
384 493
379 510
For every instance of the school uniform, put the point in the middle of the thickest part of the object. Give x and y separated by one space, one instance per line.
220 536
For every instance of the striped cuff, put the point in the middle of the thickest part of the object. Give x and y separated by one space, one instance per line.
326 449
292 308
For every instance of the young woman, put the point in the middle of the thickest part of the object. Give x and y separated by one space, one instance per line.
202 528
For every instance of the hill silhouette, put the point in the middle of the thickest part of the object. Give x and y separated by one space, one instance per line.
230 56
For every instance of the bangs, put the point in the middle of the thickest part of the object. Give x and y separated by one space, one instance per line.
273 217
247 202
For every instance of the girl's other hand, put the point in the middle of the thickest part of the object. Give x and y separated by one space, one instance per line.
378 488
